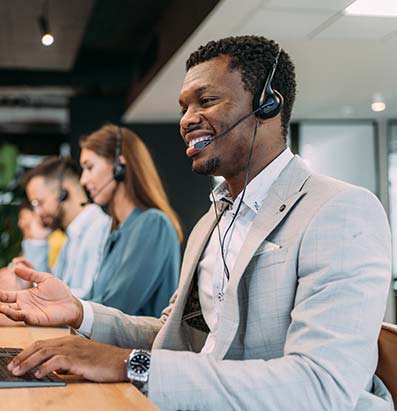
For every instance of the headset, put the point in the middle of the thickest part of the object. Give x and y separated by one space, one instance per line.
266 104
63 193
270 102
118 168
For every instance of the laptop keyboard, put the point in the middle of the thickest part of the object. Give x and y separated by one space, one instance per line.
8 380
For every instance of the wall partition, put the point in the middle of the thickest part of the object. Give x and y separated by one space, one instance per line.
393 192
346 150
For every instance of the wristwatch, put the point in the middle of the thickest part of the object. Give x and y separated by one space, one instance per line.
138 366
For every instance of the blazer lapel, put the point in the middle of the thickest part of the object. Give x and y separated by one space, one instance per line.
283 195
194 249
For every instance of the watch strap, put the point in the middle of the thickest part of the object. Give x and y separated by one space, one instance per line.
142 386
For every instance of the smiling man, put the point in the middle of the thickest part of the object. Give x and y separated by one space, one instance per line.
284 281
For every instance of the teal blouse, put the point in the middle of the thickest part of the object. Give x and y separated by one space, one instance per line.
140 266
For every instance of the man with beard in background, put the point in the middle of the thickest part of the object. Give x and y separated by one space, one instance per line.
55 193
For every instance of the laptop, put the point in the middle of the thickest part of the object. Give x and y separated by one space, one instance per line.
8 380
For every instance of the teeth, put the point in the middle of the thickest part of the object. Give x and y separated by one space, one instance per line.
197 140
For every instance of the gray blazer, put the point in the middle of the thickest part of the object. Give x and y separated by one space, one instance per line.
301 314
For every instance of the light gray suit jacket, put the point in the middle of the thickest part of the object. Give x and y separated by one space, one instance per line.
301 314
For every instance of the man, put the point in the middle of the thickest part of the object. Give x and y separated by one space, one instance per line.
54 190
30 223
279 306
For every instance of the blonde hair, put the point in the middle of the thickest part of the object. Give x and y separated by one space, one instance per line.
143 183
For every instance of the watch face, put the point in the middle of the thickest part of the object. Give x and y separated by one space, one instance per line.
140 363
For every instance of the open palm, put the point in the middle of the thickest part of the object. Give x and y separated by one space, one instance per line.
49 303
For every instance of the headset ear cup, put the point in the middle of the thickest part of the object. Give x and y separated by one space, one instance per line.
63 195
271 106
118 171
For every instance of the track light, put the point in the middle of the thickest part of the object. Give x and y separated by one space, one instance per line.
46 37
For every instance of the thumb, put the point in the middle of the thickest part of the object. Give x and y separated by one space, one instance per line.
30 275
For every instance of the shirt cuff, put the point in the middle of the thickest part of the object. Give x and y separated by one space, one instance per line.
34 243
88 319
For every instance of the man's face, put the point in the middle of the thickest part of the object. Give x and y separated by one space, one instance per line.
211 100
44 197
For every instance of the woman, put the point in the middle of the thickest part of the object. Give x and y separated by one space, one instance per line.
140 266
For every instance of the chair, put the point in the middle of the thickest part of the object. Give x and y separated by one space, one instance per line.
387 363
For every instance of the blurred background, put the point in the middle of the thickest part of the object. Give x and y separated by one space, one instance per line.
68 67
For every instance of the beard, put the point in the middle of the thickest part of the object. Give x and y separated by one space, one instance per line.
54 222
209 168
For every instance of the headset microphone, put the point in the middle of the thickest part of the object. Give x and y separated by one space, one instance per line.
86 202
90 199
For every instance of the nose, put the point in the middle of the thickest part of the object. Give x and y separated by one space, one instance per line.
190 117
83 178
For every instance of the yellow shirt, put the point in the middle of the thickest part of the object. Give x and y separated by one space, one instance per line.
55 240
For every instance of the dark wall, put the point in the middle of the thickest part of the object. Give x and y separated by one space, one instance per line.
188 192
90 113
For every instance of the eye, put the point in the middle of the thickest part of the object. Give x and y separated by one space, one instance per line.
205 101
182 111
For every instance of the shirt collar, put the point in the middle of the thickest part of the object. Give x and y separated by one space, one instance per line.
258 188
84 219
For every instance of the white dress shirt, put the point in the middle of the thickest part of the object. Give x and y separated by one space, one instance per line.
212 281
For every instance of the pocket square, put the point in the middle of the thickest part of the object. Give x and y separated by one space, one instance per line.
267 246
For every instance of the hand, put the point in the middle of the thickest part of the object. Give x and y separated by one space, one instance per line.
90 359
37 230
49 303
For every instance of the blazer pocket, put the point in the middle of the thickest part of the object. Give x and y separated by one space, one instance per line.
270 257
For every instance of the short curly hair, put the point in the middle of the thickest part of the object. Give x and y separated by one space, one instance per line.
254 56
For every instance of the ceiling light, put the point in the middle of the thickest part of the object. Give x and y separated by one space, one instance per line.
46 37
378 8
378 103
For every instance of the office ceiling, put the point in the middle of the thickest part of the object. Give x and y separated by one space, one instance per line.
341 61
136 51
102 48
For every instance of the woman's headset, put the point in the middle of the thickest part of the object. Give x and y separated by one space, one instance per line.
118 168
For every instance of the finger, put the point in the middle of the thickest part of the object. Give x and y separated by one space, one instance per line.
38 347
8 296
30 275
24 263
57 362
14 306
12 313
31 358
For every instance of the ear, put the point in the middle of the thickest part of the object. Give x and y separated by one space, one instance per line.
122 159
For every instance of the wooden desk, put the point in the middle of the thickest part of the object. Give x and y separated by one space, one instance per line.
76 395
